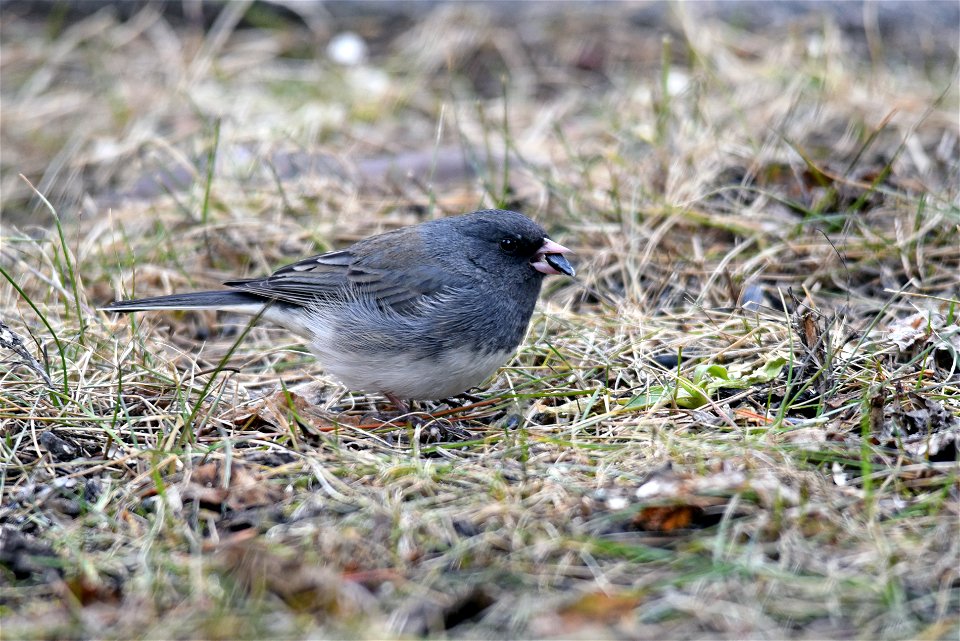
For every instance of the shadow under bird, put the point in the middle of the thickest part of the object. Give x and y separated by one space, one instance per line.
422 312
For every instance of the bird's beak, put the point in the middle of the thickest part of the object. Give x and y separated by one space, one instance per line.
550 259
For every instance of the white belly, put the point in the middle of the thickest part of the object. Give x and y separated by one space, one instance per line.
408 377
405 374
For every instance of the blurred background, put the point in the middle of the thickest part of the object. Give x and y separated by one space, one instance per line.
103 102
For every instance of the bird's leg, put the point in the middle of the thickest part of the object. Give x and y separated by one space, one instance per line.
400 405
414 420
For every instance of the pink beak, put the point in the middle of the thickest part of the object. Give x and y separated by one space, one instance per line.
550 259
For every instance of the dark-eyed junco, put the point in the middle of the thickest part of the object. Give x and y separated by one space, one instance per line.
422 312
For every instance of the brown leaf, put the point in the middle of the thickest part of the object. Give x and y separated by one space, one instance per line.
672 499
304 587
236 488
666 518
279 410
88 590
599 607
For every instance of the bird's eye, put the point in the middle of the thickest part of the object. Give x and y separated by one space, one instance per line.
510 245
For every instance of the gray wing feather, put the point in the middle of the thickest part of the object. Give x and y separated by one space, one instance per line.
381 270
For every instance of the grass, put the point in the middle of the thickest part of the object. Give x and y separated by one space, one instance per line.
775 212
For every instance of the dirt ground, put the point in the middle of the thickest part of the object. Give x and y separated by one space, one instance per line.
740 420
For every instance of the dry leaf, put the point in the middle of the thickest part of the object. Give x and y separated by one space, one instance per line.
599 607
278 410
319 590
666 518
905 332
237 488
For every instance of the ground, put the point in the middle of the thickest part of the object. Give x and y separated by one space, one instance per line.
740 420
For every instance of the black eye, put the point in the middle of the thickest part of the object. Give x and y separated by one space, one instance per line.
510 245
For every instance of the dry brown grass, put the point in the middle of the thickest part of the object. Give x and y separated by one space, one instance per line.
777 209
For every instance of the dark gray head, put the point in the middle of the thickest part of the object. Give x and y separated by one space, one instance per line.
504 256
506 243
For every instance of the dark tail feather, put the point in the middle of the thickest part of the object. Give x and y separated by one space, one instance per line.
224 299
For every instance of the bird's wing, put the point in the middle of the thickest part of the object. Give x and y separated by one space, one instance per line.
394 274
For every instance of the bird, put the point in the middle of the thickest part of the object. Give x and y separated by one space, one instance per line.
422 312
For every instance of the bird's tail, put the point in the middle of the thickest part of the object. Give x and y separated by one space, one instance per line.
224 299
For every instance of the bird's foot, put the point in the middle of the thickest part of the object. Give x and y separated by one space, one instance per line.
425 428
440 432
